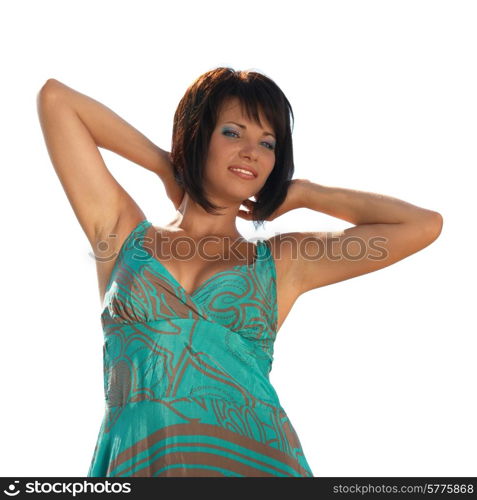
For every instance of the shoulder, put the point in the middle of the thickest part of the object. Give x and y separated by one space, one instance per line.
281 245
157 236
281 253
285 248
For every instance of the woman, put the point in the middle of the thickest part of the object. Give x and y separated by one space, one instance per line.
189 340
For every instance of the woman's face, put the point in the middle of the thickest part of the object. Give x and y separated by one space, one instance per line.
238 142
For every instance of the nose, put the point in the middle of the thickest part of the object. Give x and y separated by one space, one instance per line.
249 150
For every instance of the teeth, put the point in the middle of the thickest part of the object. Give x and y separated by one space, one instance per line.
244 171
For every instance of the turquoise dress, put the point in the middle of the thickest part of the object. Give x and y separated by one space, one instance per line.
186 376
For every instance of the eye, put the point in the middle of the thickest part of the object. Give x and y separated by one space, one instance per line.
270 146
229 132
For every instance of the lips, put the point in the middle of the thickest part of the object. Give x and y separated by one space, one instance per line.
248 169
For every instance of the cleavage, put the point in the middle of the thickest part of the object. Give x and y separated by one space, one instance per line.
193 262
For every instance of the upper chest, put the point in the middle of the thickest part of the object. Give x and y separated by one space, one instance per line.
200 269
240 298
192 261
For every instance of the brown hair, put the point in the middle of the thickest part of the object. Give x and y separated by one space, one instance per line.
196 117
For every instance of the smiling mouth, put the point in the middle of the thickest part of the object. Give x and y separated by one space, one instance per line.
242 173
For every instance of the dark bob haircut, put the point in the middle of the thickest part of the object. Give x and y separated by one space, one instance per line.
196 117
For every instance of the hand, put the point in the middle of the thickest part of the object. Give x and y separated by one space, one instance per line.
294 199
166 173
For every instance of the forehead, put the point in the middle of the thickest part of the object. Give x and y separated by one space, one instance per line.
233 109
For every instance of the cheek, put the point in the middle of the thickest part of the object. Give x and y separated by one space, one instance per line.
220 152
272 163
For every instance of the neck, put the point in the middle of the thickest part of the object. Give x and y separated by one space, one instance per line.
196 222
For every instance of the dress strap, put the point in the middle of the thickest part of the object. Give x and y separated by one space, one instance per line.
128 243
262 248
263 251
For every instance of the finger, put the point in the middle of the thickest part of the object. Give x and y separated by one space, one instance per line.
244 214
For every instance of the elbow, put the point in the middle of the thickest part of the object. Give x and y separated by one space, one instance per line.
50 85
434 225
51 82
48 92
45 90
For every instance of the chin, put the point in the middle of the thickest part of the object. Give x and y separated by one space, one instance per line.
230 192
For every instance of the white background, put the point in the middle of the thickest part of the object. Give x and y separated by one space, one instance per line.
378 373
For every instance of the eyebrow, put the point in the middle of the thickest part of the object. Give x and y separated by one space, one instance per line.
244 127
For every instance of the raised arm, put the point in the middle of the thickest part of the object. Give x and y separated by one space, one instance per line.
75 126
386 230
